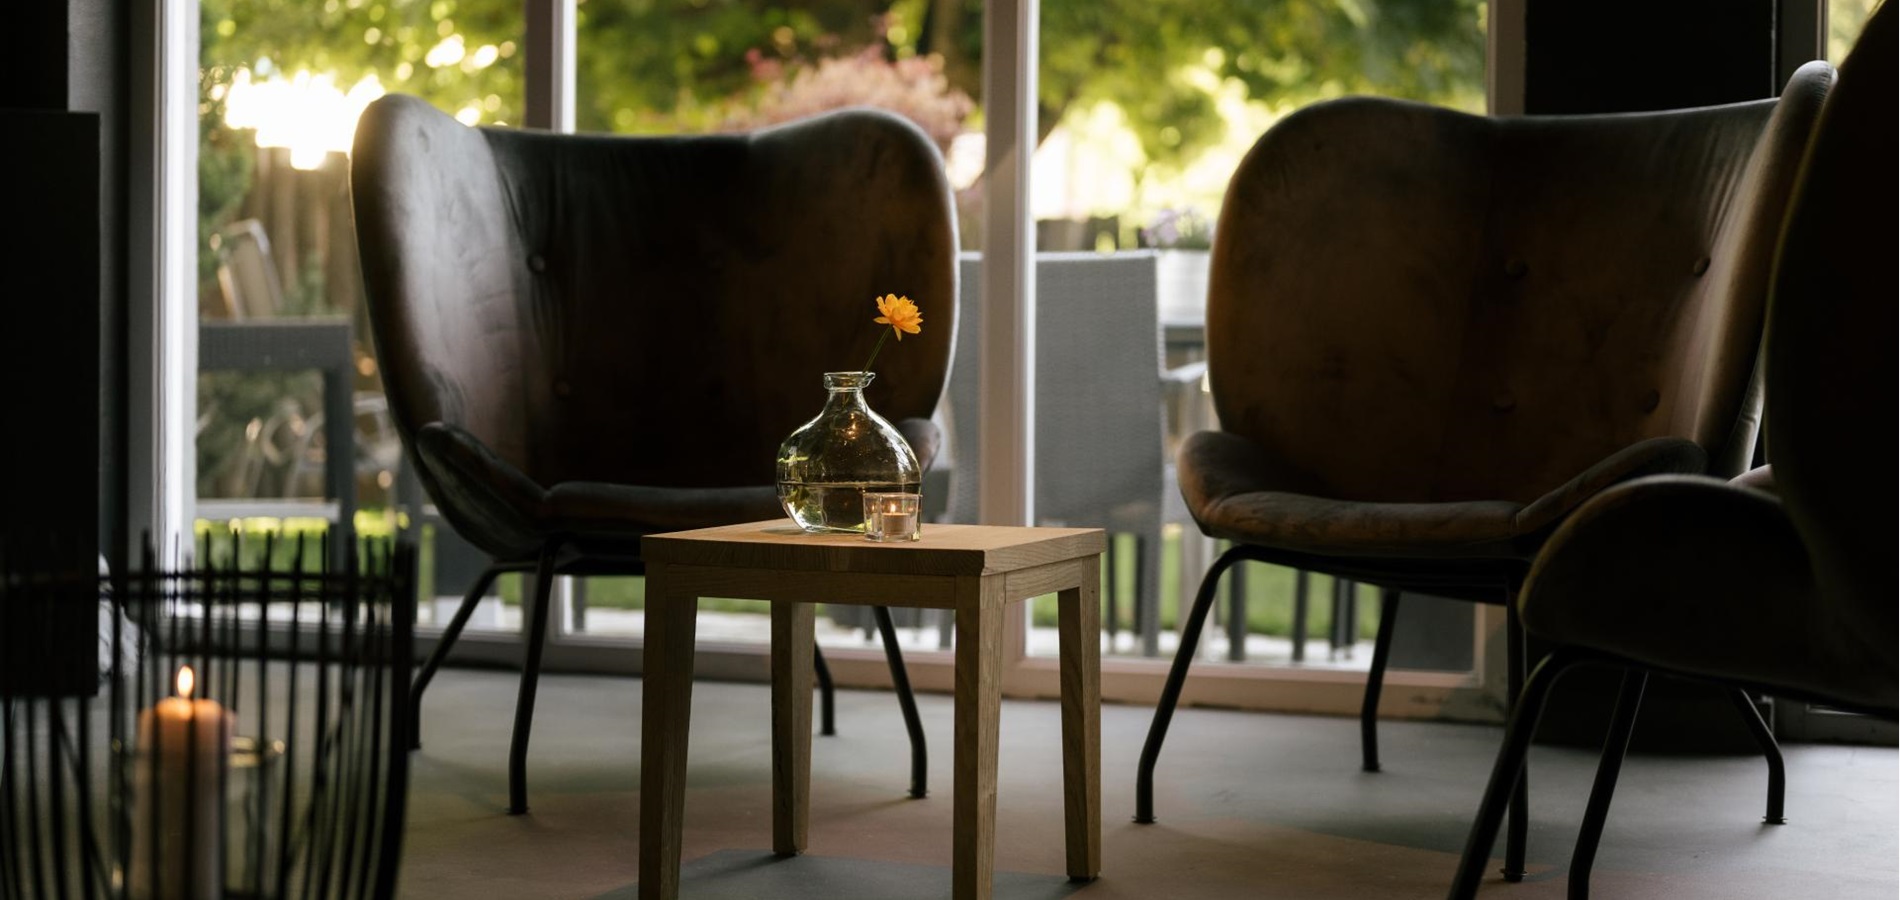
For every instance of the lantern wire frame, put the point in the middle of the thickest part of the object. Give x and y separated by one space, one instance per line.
304 648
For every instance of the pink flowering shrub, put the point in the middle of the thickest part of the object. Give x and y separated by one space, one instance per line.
914 88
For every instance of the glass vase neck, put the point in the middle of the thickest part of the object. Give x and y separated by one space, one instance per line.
836 382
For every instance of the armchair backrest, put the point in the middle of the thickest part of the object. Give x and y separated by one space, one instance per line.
1415 304
655 310
1831 356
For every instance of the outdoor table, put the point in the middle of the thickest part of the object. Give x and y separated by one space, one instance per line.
976 570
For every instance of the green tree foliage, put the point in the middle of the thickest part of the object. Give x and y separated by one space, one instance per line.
385 38
683 65
659 66
225 164
1845 19
1138 54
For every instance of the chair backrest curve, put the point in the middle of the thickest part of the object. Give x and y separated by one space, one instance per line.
654 311
1831 344
1413 304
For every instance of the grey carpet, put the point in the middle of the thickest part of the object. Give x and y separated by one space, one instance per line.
751 874
1251 806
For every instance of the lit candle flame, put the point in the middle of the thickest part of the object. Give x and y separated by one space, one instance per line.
186 681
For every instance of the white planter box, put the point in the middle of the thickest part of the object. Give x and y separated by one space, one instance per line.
1181 283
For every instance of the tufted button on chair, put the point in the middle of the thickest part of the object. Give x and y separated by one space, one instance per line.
1780 582
1432 336
586 339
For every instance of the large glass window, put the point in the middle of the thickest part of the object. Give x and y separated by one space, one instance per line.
701 66
1146 109
295 445
1845 19
696 66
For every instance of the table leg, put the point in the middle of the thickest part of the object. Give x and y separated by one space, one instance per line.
978 708
1081 648
791 726
667 709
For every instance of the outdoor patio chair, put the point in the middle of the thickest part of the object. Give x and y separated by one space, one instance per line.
586 339
1100 384
1433 335
251 334
1781 583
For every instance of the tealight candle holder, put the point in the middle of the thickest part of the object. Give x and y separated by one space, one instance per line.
891 516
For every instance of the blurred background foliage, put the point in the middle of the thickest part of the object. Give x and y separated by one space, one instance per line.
1172 70
658 66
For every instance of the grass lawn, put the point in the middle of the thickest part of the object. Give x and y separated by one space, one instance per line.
1269 588
1269 596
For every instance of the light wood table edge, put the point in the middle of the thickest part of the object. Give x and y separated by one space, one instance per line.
981 602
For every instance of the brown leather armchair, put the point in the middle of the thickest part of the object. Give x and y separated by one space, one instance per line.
586 339
1784 585
1432 335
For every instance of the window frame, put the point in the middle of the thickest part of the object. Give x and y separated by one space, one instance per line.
163 358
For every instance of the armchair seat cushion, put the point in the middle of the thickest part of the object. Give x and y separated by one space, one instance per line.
1239 491
517 516
591 510
1708 579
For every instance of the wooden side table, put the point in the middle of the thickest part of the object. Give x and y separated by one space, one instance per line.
976 570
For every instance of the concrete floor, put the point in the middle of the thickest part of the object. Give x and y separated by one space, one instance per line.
1251 806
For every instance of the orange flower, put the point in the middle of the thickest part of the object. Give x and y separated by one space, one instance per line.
900 314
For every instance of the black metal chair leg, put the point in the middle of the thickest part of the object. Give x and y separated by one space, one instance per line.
442 646
1171 690
1502 786
1337 642
1375 681
1301 578
900 681
1349 611
1615 744
537 638
1237 615
1517 831
827 699
1777 770
1148 603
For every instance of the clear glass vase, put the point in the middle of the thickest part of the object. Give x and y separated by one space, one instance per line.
827 465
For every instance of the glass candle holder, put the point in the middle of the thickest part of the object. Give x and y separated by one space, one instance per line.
891 516
252 837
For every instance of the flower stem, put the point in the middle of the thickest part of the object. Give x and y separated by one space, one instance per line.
880 345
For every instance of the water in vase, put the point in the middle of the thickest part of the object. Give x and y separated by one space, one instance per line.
836 506
827 465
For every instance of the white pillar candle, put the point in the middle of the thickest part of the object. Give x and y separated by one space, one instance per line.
891 516
899 526
177 798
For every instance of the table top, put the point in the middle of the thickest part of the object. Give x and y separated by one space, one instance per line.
943 549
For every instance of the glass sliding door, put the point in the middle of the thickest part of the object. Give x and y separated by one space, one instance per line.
1845 19
292 431
695 67
1146 109
1142 111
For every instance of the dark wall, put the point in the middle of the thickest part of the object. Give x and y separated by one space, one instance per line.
33 70
63 102
98 81
49 513
1596 56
